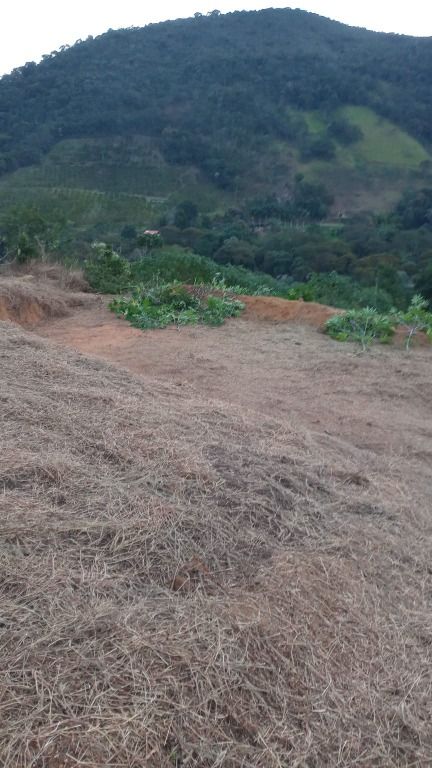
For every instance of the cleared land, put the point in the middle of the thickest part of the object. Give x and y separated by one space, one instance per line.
215 546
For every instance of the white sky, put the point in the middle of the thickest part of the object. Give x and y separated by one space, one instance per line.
30 28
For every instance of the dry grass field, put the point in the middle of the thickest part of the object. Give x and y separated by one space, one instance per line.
215 543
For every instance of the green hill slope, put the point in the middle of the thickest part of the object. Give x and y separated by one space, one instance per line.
216 92
104 183
265 125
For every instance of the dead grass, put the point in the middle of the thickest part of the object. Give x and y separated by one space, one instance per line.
185 582
38 291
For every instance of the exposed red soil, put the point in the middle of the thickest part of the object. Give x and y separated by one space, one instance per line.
280 310
29 300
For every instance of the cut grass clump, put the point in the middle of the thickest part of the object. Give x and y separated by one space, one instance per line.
172 304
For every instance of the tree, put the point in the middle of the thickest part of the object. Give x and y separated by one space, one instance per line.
416 318
344 132
149 240
317 148
237 252
423 282
415 208
28 234
128 232
186 214
310 201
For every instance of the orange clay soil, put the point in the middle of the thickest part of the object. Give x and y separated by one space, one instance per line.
281 310
29 300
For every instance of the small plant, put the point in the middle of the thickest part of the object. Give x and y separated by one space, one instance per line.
416 318
218 309
364 326
107 272
172 304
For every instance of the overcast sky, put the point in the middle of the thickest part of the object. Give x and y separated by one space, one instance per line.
30 28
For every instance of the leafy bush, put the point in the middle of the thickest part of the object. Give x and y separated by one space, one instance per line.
361 325
416 318
220 283
340 291
172 304
107 272
177 263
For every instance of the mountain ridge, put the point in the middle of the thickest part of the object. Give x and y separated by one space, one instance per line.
192 73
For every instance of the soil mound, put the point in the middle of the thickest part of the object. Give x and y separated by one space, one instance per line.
31 298
283 310
189 582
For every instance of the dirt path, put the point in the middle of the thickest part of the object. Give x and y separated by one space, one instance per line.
380 401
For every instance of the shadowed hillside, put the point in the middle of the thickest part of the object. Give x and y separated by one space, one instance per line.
212 90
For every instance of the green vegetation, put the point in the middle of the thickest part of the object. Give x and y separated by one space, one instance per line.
218 85
367 325
361 325
173 304
174 286
416 318
107 272
340 291
317 185
382 142
27 234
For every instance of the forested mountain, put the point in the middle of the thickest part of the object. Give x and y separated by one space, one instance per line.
212 87
277 140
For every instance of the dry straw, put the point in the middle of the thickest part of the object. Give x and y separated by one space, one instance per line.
185 584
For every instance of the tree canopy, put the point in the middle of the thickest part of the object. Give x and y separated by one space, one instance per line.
210 87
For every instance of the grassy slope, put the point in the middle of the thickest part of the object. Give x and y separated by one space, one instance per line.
373 172
382 143
115 181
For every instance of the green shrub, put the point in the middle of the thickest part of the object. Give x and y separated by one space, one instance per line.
364 326
219 308
106 271
220 283
172 304
340 291
176 263
416 318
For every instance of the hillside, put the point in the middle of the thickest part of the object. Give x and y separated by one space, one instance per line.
277 140
219 108
215 543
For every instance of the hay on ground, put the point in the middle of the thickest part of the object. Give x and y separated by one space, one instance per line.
29 299
183 584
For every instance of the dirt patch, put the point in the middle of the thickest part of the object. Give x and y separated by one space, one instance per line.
282 310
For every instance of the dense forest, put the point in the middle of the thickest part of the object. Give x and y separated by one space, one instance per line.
104 130
211 87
